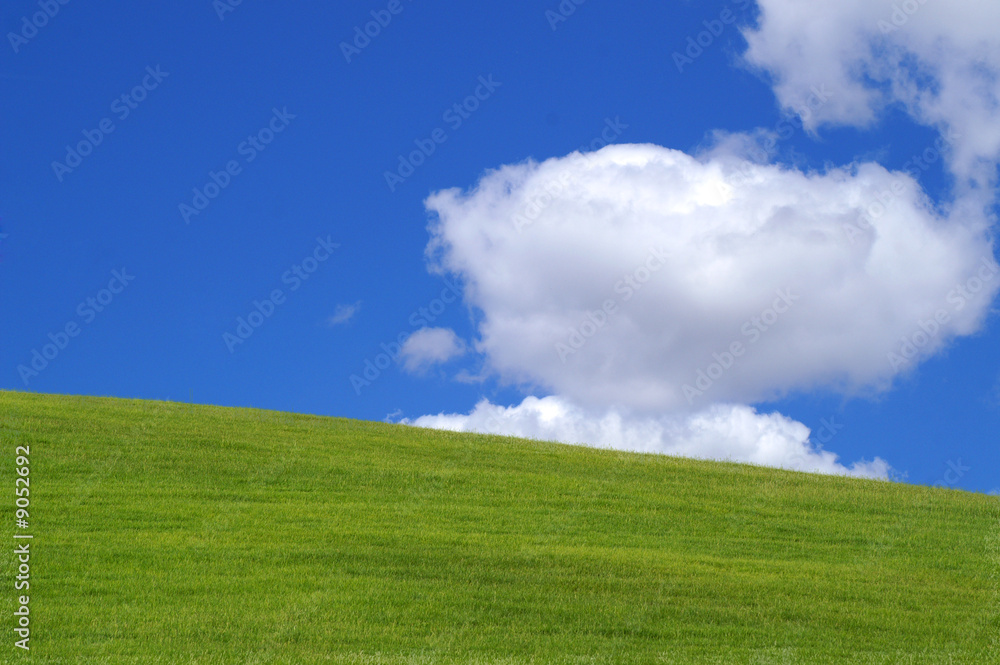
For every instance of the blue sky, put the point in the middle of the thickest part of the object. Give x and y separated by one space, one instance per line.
236 151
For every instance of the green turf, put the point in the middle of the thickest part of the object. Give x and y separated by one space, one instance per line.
170 533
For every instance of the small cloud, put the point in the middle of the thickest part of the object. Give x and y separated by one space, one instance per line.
465 376
430 346
343 314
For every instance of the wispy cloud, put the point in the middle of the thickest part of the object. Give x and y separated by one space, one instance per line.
343 314
937 61
993 397
430 346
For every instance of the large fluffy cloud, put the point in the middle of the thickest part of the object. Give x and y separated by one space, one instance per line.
724 432
940 60
644 278
646 291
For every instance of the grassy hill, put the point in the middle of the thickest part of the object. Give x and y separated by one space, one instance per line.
170 533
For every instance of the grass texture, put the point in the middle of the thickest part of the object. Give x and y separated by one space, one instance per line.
170 533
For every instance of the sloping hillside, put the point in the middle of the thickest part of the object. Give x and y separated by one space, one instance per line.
170 533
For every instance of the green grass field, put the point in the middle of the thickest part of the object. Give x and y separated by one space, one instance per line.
170 533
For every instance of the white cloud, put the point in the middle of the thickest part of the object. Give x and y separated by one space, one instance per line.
430 346
693 256
343 313
939 60
647 291
723 432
